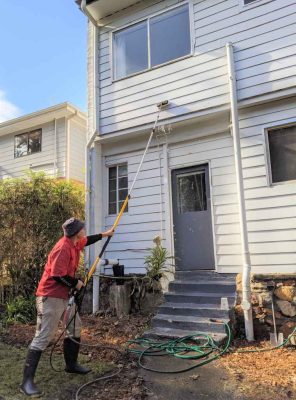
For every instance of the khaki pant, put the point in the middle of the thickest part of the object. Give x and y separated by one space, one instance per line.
50 311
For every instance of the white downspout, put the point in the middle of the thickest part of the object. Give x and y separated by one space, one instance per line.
246 278
68 161
90 154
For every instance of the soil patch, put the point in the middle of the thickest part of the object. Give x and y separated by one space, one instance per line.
236 376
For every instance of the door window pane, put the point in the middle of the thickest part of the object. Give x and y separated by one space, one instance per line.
131 50
170 36
282 147
191 192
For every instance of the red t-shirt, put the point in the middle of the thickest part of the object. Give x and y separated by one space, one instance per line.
62 260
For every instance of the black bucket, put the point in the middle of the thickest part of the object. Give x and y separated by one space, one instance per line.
118 270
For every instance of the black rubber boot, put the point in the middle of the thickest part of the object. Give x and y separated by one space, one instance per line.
28 386
71 350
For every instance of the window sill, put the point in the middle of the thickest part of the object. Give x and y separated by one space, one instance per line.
153 68
274 184
27 155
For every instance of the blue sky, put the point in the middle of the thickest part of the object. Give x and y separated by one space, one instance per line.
42 55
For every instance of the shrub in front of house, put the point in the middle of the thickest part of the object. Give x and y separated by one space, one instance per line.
32 210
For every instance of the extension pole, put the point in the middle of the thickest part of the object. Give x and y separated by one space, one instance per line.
124 205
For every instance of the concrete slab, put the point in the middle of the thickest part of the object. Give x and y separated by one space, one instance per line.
209 382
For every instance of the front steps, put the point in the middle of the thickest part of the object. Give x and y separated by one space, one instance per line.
194 297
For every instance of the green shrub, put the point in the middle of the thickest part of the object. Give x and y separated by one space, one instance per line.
157 264
32 210
20 310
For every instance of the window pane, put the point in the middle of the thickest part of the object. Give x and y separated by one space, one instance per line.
122 170
112 208
120 205
282 146
112 196
191 192
131 50
21 145
170 36
112 184
34 142
122 194
122 183
249 1
112 172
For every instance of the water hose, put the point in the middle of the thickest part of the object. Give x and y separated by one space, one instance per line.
198 346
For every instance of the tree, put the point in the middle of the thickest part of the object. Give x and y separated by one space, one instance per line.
32 210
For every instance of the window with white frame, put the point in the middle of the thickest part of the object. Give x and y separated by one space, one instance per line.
282 153
27 143
155 41
117 188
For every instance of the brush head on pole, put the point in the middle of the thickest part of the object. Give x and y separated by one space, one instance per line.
162 104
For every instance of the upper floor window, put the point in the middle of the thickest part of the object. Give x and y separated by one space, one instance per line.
118 188
155 41
27 143
282 153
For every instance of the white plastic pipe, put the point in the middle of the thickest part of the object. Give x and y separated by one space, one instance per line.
246 278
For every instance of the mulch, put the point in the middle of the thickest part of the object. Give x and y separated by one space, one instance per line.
259 376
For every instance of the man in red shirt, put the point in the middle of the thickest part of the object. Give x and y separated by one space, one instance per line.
52 300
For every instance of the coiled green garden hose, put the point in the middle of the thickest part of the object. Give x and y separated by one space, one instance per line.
198 346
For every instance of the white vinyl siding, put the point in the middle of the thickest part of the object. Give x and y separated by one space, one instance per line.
271 210
142 223
137 230
77 151
265 58
41 161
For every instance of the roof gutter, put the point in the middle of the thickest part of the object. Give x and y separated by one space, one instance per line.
87 13
246 278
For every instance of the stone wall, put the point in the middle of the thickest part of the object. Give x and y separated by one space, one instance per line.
279 287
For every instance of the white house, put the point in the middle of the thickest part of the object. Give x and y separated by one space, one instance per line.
52 140
219 181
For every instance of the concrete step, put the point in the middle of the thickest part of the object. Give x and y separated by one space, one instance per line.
169 333
199 298
192 309
203 275
216 286
198 324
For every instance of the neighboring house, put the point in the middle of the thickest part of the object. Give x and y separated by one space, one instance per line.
52 140
210 206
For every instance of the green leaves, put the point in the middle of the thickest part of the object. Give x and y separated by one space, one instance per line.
20 310
157 262
32 210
